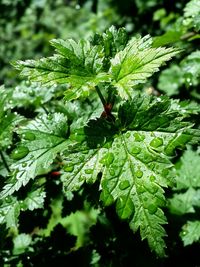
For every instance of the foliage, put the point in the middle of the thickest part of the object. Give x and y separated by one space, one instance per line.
187 201
91 153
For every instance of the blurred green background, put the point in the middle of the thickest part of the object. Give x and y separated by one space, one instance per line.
26 27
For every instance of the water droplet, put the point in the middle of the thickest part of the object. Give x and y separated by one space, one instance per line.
77 6
135 150
20 153
124 184
139 173
153 189
139 137
184 233
109 159
69 168
28 136
24 164
81 158
165 172
152 178
88 171
151 165
128 134
156 142
31 93
112 171
50 117
141 189
152 209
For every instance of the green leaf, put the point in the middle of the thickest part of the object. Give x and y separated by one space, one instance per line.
42 140
21 243
190 232
8 120
9 212
83 65
78 65
34 200
170 37
191 68
183 203
171 80
5 100
137 62
132 161
112 41
192 11
187 170
7 126
26 95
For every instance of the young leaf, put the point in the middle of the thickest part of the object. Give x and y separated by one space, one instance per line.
133 161
42 140
78 65
82 66
190 232
137 62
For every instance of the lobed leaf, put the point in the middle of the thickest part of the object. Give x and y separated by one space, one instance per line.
34 200
9 211
132 157
137 62
187 170
192 11
42 140
183 203
77 65
106 58
190 232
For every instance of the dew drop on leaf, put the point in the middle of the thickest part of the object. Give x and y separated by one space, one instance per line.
139 173
28 136
20 153
156 142
151 166
24 164
88 171
69 168
141 189
135 150
152 209
112 171
139 137
152 178
153 189
81 158
128 134
81 179
124 184
109 159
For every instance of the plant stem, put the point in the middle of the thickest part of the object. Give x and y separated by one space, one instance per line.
103 101
4 161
